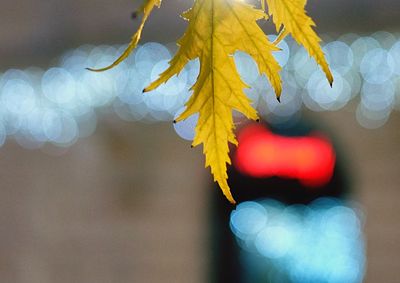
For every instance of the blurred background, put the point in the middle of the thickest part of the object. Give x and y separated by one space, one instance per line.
98 185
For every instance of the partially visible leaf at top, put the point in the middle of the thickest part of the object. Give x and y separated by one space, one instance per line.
290 17
146 8
217 29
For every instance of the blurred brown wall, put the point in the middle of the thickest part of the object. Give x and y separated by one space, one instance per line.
35 31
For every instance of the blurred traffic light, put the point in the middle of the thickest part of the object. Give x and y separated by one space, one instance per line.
294 221
263 154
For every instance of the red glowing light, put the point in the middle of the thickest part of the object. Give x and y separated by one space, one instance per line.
262 154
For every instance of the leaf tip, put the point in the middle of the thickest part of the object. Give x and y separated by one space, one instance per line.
231 200
330 81
226 190
94 70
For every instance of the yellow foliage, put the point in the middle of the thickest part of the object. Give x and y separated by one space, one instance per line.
291 17
216 30
146 9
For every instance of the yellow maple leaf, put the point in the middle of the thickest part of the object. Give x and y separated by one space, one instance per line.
146 8
217 29
292 17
